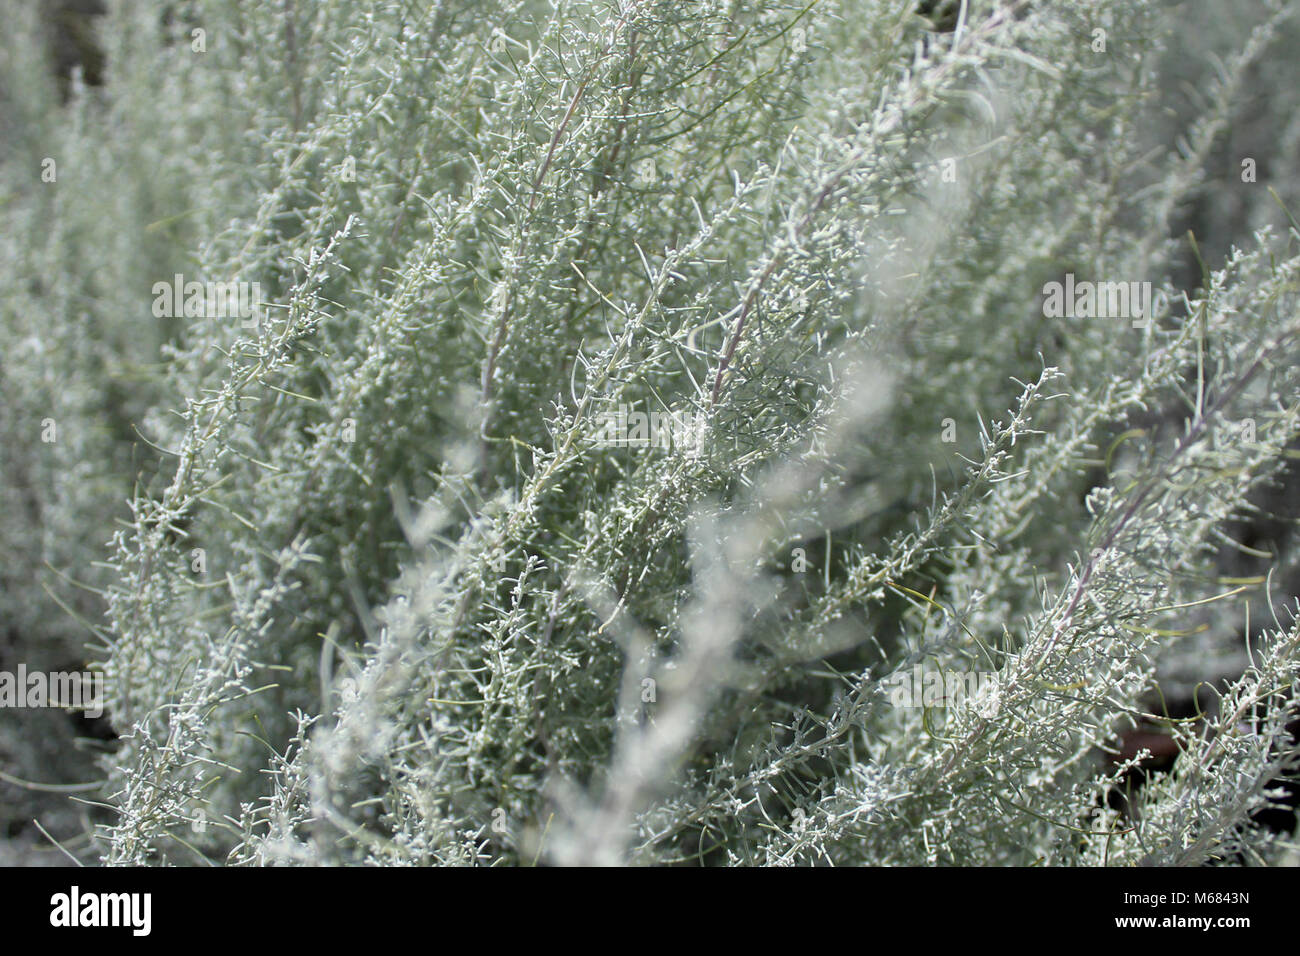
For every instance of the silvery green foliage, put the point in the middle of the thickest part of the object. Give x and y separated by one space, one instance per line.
381 594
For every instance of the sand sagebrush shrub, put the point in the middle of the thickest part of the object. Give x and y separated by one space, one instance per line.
640 395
